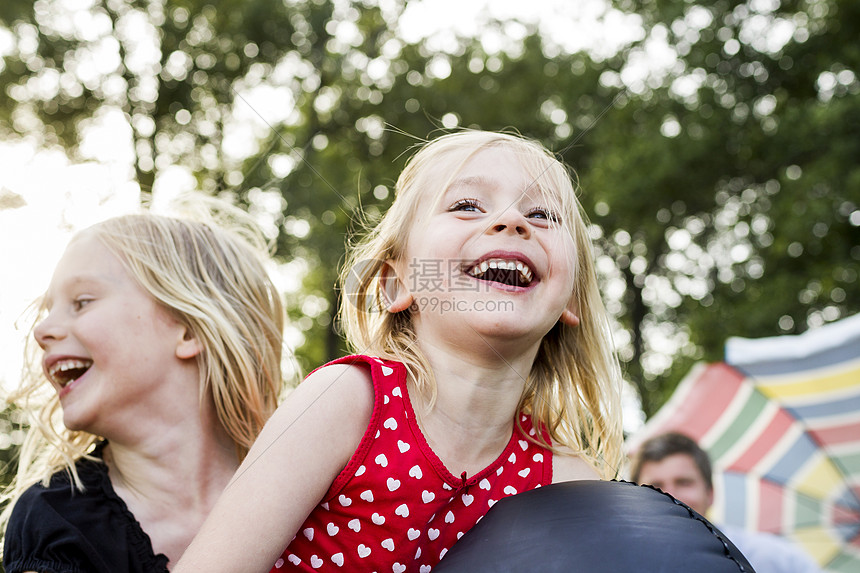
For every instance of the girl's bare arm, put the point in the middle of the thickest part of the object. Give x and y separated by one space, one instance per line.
303 447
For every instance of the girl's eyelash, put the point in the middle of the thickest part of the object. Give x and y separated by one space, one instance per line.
465 202
550 215
472 203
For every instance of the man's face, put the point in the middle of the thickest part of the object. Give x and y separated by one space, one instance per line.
679 476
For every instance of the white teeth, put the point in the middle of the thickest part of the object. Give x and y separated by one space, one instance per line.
67 365
58 370
525 272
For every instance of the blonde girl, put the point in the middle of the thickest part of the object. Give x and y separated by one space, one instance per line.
483 368
161 343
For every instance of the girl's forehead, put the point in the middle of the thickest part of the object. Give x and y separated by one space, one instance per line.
491 167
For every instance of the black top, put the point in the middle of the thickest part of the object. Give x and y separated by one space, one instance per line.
58 529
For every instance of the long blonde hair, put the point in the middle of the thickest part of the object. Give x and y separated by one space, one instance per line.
208 269
573 389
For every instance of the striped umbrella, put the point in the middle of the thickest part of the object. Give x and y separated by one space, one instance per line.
781 422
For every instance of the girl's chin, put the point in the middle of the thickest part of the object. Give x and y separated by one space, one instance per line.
515 334
74 423
75 417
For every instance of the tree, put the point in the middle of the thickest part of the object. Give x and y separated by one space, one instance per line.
734 206
722 187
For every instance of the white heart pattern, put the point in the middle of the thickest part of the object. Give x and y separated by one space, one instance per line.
279 563
360 511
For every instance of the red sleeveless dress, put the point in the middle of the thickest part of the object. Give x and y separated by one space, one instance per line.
395 507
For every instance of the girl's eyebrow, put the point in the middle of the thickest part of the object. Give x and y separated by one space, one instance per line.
485 182
83 279
471 181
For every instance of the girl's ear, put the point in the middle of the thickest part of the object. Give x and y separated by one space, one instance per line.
188 346
570 315
397 296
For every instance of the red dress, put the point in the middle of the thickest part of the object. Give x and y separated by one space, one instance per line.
395 507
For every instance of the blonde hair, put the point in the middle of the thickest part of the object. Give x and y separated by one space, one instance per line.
573 389
208 269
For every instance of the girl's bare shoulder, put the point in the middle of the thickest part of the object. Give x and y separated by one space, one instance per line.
567 466
333 383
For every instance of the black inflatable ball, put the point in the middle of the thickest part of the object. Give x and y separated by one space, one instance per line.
594 527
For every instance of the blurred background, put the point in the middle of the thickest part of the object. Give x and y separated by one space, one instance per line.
716 145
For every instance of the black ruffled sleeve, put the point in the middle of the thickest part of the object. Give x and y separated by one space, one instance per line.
40 538
58 529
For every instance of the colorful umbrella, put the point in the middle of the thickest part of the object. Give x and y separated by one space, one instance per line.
781 421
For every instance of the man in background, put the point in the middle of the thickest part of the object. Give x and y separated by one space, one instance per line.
677 465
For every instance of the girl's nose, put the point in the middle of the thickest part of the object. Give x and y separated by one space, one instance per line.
512 221
47 330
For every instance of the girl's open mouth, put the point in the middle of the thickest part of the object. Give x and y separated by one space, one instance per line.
64 372
508 272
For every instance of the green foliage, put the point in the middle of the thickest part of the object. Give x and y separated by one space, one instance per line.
12 430
724 190
757 174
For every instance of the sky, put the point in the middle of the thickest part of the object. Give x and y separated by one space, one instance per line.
57 197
